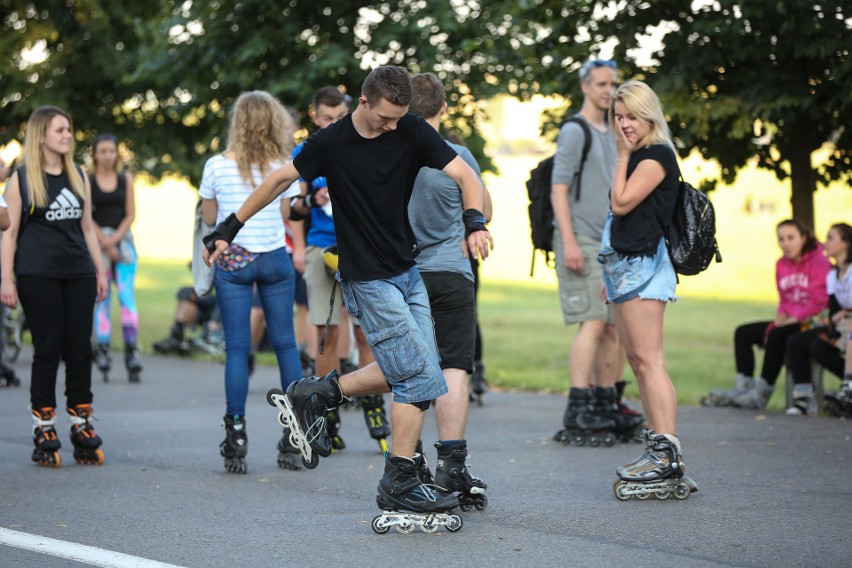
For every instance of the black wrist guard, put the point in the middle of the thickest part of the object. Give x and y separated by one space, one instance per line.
225 231
473 221
308 200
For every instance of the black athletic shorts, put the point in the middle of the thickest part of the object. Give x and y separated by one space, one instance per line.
453 303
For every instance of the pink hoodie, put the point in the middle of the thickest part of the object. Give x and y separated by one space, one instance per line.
801 285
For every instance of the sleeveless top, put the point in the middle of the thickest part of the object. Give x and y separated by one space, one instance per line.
108 207
52 243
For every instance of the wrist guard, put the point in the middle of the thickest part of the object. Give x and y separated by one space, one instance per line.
308 200
473 221
225 231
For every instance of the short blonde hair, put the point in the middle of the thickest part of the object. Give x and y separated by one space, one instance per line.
260 132
37 126
644 103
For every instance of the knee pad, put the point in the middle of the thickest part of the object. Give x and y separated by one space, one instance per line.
422 405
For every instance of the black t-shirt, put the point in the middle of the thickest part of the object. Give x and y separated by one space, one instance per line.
639 232
52 243
370 181
109 207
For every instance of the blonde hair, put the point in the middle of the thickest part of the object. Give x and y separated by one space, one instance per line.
642 102
37 127
260 132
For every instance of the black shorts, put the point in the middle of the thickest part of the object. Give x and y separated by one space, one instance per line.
453 301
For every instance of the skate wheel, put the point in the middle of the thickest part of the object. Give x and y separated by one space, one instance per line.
662 496
561 436
609 440
481 503
312 463
430 525
383 445
579 441
405 527
594 442
270 394
379 526
465 507
454 523
681 491
619 488
642 496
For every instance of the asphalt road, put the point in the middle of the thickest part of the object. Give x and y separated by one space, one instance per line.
773 491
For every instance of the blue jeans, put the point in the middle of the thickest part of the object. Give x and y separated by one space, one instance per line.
397 320
275 278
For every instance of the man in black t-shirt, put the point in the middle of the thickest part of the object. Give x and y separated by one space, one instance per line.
371 159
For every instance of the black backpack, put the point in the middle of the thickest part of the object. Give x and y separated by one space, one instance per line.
538 191
691 236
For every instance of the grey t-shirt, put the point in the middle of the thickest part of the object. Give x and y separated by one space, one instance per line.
588 215
435 212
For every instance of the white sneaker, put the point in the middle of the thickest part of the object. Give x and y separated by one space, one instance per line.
803 405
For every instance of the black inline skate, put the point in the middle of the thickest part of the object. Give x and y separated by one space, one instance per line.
376 419
234 447
103 360
628 423
289 456
132 362
658 472
304 410
332 425
87 444
583 425
423 472
8 378
45 440
407 502
478 383
839 404
452 475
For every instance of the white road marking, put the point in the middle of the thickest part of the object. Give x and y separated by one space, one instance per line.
77 552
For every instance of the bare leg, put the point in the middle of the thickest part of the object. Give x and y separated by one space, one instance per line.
407 422
327 360
640 326
584 352
451 408
609 364
344 337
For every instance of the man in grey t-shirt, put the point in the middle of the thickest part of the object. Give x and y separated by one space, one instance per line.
435 212
596 359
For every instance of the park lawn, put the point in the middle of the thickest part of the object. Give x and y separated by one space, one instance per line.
526 343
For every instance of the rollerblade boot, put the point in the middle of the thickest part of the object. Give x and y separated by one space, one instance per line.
582 424
174 343
756 398
407 502
478 383
628 423
304 410
376 419
288 454
804 402
103 360
87 444
452 475
332 425
722 397
658 472
423 471
234 447
45 440
132 362
8 378
839 404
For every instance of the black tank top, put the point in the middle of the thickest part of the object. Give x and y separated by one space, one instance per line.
108 207
51 243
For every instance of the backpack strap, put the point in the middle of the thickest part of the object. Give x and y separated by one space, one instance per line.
587 145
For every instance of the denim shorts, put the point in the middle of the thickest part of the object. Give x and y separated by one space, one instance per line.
396 319
628 276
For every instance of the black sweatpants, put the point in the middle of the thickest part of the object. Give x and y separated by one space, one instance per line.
59 314
807 345
749 335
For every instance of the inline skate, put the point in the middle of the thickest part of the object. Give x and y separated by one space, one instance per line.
658 472
452 475
407 502
8 378
582 424
132 363
628 423
725 397
332 425
423 472
45 440
288 454
234 447
478 383
87 444
839 404
304 410
103 360
376 419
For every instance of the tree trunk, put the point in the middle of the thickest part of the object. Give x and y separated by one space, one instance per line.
803 183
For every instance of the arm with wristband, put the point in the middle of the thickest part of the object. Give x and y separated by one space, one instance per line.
477 237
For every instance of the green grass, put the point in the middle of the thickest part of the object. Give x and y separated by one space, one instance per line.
526 343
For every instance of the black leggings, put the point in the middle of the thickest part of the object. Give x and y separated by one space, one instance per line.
751 334
807 345
59 315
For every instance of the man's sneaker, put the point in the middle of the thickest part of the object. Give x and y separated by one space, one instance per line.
401 489
312 399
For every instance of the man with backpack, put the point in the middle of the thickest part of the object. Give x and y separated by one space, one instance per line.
582 175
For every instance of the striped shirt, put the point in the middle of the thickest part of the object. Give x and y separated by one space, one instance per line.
221 181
